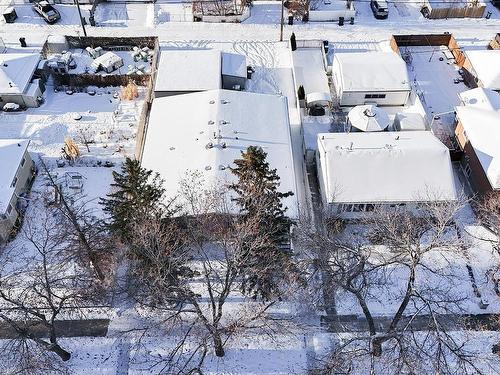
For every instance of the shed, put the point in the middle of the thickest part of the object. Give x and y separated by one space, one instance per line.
478 133
481 98
357 171
16 73
57 44
484 66
409 121
16 173
370 78
107 62
234 71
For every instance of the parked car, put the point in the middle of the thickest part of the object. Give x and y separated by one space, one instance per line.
12 107
380 9
46 11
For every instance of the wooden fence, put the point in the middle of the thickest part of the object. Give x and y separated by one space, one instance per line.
495 43
398 41
465 11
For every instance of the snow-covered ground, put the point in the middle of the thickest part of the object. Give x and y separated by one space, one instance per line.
106 119
113 125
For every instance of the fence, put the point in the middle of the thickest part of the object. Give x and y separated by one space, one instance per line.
235 18
495 43
398 41
465 11
146 109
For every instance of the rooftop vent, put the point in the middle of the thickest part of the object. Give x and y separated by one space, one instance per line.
209 145
208 167
212 101
211 122
223 101
223 122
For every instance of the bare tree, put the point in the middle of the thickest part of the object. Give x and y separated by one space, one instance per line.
487 208
89 242
39 281
23 356
397 247
196 303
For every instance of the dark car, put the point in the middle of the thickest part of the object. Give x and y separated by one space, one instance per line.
380 9
46 11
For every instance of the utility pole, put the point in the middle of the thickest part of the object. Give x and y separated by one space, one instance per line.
81 18
282 19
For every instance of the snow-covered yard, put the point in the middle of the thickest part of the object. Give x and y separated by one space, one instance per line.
437 82
112 124
111 14
107 121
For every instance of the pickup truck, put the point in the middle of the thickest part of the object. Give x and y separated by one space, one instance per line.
46 11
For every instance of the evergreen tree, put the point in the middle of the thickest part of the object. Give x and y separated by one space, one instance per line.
137 193
263 224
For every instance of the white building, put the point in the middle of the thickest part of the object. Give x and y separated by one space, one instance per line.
16 79
207 131
358 171
370 78
478 134
484 65
191 70
481 98
16 174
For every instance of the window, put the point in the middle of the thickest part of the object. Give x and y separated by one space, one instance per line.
358 207
14 182
22 162
347 208
375 96
370 207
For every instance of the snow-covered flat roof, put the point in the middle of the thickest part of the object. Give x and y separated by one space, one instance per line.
189 70
405 166
234 64
482 128
486 64
16 70
206 131
309 67
371 71
11 154
481 98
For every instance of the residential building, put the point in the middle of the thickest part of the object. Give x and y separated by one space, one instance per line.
359 171
482 67
16 173
17 83
478 134
206 131
379 78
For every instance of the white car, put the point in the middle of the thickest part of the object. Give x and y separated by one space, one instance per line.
46 11
11 107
